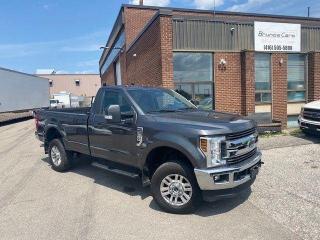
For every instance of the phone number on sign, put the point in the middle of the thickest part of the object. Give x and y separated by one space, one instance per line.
277 47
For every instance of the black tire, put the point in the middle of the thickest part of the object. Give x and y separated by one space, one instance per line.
65 156
168 169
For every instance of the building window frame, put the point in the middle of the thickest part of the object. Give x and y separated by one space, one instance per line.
194 84
305 75
261 92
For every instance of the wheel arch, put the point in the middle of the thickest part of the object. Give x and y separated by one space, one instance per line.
161 154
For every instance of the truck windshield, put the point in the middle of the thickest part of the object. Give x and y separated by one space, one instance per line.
160 100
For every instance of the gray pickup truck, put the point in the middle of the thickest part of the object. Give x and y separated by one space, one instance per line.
185 154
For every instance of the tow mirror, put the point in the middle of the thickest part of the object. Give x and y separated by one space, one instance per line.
113 114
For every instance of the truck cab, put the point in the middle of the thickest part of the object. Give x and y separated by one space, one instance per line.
186 154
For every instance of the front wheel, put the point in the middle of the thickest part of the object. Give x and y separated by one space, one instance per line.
175 188
60 159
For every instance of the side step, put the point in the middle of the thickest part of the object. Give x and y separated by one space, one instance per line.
115 170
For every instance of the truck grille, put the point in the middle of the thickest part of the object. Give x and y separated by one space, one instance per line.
240 146
311 114
245 133
243 157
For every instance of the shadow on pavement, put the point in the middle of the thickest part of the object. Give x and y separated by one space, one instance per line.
133 187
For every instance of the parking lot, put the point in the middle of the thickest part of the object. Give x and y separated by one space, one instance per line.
88 203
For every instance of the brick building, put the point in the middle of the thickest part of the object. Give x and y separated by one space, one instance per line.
251 64
85 85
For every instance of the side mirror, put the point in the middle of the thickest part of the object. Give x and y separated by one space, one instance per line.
113 114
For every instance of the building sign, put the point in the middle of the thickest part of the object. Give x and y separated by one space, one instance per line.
277 37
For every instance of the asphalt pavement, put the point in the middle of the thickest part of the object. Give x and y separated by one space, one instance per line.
88 203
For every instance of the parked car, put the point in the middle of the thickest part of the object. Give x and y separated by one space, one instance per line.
309 119
184 153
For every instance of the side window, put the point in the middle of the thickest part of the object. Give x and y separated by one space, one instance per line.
115 98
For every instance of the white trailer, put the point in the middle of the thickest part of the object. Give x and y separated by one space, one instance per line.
22 92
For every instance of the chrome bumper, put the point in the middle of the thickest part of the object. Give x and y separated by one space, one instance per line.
231 176
303 123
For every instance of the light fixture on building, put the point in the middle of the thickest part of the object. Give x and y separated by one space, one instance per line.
232 29
50 83
223 62
134 55
120 48
281 61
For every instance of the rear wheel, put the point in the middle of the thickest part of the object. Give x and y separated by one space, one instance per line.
174 188
60 159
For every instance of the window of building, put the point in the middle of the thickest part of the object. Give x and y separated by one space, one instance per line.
50 83
193 76
77 82
263 78
296 77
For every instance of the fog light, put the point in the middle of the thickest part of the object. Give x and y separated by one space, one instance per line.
224 178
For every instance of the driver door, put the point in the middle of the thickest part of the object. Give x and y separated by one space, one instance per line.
114 141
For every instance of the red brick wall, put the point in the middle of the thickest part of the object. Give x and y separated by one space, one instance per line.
248 82
108 76
135 20
228 83
145 68
279 88
166 51
313 76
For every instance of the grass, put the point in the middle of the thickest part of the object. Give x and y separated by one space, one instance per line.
288 132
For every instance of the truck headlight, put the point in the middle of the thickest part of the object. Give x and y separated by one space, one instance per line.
212 149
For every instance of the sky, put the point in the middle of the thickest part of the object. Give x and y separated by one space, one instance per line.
65 35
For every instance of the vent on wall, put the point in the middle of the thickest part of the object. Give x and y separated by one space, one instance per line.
50 83
77 82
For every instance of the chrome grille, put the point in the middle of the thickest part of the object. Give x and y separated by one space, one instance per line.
239 149
311 114
241 134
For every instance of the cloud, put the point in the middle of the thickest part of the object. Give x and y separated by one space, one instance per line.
45 6
207 4
160 3
85 43
248 6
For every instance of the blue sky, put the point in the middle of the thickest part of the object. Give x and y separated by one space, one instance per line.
66 34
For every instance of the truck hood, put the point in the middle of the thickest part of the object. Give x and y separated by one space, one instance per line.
208 122
313 105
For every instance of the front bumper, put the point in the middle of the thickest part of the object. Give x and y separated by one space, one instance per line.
228 177
308 124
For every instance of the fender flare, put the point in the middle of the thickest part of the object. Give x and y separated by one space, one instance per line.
176 142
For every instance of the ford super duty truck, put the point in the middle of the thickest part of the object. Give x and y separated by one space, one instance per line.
309 119
183 153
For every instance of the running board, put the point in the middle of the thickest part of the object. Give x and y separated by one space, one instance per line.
115 170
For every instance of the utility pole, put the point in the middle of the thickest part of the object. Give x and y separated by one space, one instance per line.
214 8
141 2
308 11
